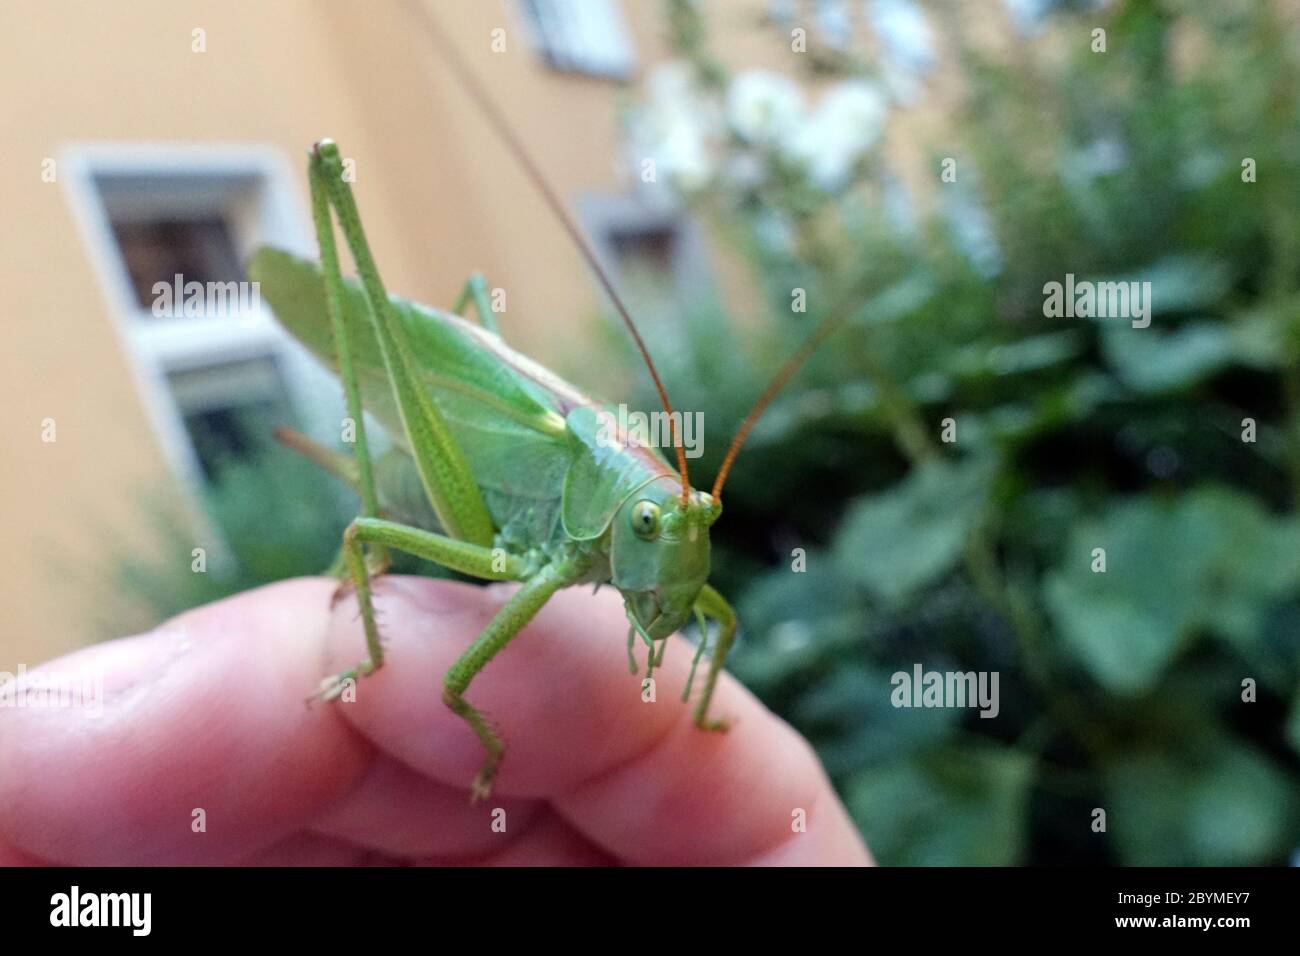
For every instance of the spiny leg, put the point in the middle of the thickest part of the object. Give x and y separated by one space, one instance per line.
508 622
476 290
362 472
458 555
655 659
444 471
713 604
652 660
355 561
702 623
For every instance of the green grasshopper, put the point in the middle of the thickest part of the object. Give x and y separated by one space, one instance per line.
517 478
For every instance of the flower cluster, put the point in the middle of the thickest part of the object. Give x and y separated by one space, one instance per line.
758 124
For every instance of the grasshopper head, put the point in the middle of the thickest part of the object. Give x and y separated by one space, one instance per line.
659 554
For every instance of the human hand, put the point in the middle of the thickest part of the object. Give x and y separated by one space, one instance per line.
207 713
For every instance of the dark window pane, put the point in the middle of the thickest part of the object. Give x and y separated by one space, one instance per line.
157 250
647 271
230 409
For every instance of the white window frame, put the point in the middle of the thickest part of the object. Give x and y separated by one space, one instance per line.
590 37
157 347
602 215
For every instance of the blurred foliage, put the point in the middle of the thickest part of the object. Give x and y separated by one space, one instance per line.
1122 689
265 515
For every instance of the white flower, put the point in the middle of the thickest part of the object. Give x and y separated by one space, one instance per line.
675 128
671 83
763 107
745 171
683 156
847 122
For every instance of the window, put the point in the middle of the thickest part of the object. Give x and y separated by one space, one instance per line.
644 257
582 36
229 409
169 229
656 258
199 248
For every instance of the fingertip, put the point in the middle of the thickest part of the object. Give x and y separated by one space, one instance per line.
559 695
754 794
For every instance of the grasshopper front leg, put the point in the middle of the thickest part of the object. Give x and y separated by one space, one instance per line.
508 622
714 605
460 556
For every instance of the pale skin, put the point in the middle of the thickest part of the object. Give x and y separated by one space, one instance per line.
207 712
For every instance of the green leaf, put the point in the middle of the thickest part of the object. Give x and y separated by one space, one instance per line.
1293 725
1178 284
897 541
1259 334
1030 354
952 807
1212 559
796 621
1217 804
1147 360
855 704
899 300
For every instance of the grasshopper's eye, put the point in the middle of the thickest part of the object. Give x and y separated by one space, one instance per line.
645 519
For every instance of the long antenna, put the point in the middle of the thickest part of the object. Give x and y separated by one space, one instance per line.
483 100
829 323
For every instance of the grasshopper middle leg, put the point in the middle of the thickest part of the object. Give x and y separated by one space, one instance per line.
507 623
476 291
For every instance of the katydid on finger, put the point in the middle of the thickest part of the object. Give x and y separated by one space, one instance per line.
516 474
